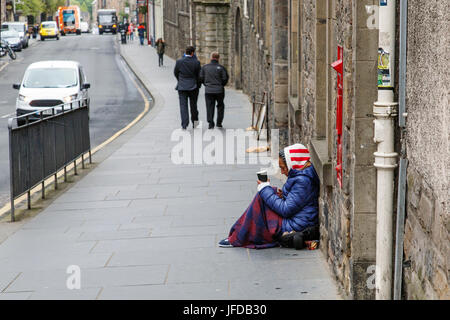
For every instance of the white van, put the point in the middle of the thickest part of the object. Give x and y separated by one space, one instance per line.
84 26
49 84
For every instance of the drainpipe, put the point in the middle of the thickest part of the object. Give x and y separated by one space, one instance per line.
190 24
385 111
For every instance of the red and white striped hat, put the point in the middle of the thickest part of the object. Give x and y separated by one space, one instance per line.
296 156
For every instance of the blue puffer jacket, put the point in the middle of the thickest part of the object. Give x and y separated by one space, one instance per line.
300 206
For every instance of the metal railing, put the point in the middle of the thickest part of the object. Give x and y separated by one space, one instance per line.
48 141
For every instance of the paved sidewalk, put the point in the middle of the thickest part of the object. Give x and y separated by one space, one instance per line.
141 227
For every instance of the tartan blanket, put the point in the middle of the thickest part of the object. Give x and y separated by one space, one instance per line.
257 227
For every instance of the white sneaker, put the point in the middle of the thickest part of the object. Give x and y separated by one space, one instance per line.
195 124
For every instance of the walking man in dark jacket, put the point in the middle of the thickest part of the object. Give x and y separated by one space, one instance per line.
215 77
187 72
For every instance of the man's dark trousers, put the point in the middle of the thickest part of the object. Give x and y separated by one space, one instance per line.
211 100
184 96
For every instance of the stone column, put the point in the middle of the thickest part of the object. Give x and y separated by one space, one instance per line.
280 68
211 24
363 84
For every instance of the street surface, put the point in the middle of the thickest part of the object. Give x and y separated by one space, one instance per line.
115 101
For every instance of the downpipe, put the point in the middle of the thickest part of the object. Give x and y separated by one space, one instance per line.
385 112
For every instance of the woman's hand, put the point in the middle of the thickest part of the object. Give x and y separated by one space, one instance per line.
280 193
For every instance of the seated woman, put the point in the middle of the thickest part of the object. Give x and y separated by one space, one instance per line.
273 212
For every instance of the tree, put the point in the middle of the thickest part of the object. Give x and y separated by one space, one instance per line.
31 7
51 6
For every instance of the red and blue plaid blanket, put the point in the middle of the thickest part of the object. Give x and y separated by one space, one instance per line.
257 228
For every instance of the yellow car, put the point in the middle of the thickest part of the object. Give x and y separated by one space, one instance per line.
48 29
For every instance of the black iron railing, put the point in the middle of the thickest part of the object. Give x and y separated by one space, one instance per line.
42 143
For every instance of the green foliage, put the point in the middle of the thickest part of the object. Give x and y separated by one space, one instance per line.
52 5
31 7
142 9
85 5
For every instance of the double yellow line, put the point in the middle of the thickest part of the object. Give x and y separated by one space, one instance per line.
49 181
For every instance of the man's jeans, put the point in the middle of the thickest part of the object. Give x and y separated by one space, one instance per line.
161 59
141 38
184 108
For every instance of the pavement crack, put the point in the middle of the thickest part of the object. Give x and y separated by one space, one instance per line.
96 243
11 282
99 293
167 275
109 260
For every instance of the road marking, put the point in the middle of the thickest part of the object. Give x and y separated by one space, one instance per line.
4 66
8 115
7 207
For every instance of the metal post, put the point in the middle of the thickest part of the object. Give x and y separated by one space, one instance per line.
73 142
402 63
154 23
147 23
43 156
54 153
11 171
28 162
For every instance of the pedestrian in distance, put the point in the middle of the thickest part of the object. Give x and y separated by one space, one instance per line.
214 77
141 32
160 48
131 31
187 71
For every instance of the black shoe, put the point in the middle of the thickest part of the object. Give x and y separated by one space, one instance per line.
219 126
225 243
211 127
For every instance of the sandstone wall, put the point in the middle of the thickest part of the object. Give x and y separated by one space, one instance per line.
427 245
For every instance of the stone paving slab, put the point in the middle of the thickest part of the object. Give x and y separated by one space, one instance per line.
148 243
96 277
203 291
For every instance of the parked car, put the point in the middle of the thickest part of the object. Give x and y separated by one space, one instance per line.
21 28
49 84
12 37
48 29
84 26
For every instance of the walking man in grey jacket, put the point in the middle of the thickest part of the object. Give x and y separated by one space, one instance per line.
215 77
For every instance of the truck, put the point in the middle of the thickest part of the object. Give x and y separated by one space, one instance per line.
107 21
69 19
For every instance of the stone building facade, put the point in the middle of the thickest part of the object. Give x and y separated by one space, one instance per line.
427 242
286 48
2 10
348 206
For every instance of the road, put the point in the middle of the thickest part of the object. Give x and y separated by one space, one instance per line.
115 101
